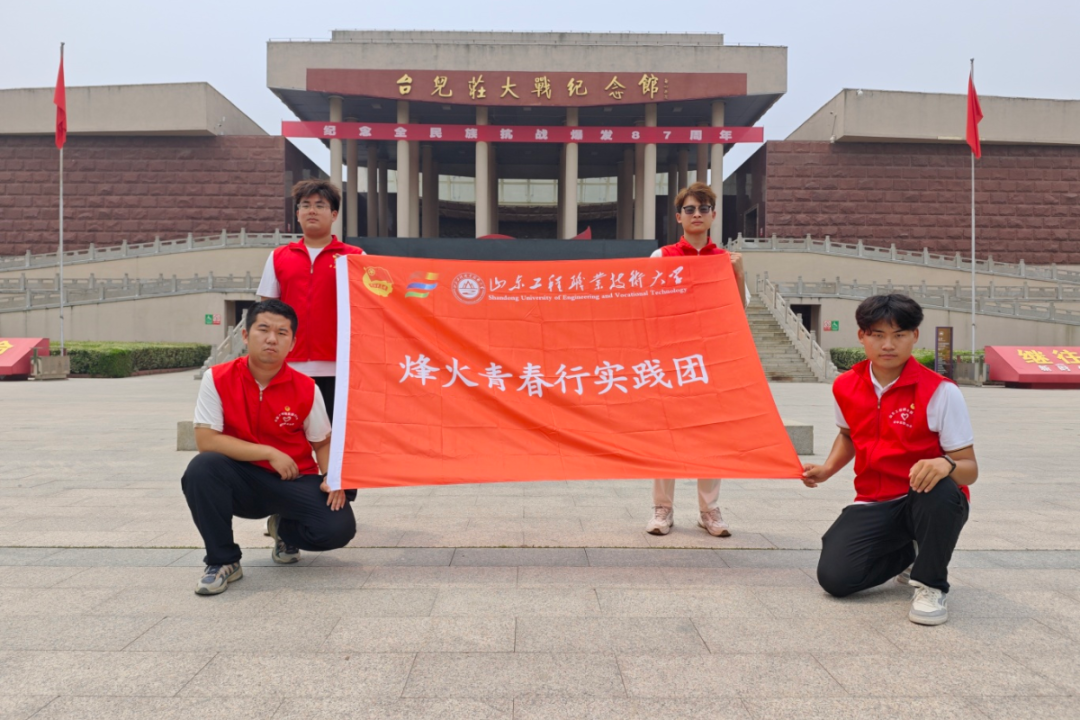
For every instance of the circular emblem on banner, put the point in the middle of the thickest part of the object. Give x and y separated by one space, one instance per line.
468 288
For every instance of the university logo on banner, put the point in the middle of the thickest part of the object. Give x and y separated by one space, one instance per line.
569 370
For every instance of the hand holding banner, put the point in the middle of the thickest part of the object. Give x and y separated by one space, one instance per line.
463 372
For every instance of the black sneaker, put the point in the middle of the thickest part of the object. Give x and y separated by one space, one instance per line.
281 553
216 578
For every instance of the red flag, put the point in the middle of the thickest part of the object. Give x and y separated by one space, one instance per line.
60 101
974 115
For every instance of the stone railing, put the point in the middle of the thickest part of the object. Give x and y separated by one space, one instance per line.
157 247
88 291
925 258
231 347
818 359
1020 309
1061 292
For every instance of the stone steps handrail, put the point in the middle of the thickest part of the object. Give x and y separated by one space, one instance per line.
827 246
1024 310
819 360
147 249
1061 292
127 290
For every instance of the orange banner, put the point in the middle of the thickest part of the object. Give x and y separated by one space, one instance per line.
456 371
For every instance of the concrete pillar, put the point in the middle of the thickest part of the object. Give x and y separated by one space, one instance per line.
414 184
352 181
570 182
404 175
648 213
372 190
430 214
481 182
702 174
384 198
336 156
718 171
560 193
493 187
639 190
672 191
624 205
684 168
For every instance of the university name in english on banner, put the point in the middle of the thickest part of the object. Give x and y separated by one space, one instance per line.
465 371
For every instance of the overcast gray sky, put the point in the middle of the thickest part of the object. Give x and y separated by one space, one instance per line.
1024 49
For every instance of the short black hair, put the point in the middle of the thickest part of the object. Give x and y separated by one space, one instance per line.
322 188
274 306
896 309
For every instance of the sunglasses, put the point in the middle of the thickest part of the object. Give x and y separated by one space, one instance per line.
691 209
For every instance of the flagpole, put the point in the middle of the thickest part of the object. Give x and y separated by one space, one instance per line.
972 237
60 254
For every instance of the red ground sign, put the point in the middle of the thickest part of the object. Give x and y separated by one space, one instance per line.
15 354
1028 366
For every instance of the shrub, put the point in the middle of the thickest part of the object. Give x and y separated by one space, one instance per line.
845 358
120 359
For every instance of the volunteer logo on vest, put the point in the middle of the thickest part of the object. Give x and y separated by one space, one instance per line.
421 284
902 416
287 418
378 281
468 288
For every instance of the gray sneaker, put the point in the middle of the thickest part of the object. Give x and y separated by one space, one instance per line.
216 578
281 553
928 605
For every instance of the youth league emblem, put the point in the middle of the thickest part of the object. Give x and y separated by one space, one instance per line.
468 288
902 416
378 281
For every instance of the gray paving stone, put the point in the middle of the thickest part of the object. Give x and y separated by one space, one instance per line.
20 707
113 557
516 601
547 708
769 558
940 675
421 634
728 636
494 675
98 673
1035 558
708 676
25 555
614 557
978 602
878 708
492 577
539 577
970 634
657 636
1059 668
266 632
373 602
747 577
1026 708
385 556
139 708
42 601
1067 580
168 601
514 557
404 709
29 576
723 601
376 676
73 632
252 557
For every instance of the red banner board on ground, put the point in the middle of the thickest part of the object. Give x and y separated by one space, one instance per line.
15 354
1025 365
466 372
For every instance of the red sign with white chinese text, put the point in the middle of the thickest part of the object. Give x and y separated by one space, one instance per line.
525 88
1027 365
456 371
520 133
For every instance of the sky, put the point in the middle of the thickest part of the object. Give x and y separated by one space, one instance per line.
1021 49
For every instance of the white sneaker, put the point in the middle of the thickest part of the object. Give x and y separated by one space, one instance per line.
662 520
928 605
714 524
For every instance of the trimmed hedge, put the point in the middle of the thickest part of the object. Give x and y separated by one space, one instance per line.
123 359
844 358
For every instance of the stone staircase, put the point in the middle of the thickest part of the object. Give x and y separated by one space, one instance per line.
779 357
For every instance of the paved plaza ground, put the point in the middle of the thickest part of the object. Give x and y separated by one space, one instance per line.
517 600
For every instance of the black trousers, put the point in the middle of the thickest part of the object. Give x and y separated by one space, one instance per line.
326 385
218 488
871 543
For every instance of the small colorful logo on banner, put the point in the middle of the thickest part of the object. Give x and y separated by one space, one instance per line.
421 284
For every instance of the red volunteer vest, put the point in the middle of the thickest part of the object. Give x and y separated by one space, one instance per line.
311 290
892 434
273 416
684 248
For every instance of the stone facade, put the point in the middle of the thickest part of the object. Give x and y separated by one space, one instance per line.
136 188
1027 199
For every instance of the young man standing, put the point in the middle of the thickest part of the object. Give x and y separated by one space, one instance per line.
695 209
910 435
257 422
302 275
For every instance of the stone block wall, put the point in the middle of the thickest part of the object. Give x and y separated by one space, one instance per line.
1027 199
134 188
